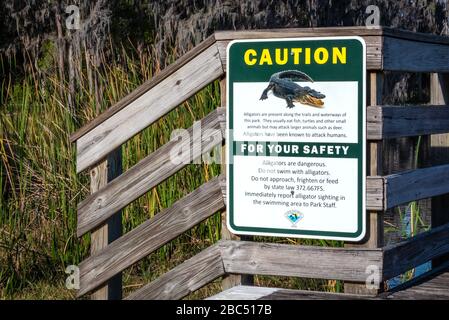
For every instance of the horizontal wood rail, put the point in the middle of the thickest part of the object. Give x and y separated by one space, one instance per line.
331 31
419 57
149 172
425 52
152 234
143 88
416 184
160 99
206 62
184 279
373 39
242 257
385 122
392 190
411 253
430 285
245 257
264 293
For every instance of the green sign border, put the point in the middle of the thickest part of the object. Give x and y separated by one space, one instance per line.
361 78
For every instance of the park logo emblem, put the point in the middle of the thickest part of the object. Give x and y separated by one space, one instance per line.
294 216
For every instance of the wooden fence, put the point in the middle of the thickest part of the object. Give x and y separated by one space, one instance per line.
98 150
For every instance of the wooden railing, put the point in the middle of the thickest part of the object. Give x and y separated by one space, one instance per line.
99 213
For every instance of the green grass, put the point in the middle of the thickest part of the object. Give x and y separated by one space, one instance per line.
39 187
416 223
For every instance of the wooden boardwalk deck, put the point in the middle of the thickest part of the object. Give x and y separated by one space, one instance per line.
262 293
433 287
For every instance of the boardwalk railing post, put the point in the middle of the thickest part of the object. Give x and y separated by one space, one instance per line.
439 152
375 232
100 175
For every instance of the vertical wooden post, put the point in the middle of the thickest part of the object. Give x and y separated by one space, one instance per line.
439 152
374 163
100 238
231 280
375 232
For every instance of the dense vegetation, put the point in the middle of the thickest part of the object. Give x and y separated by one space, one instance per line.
53 80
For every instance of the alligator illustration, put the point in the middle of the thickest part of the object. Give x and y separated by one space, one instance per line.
283 86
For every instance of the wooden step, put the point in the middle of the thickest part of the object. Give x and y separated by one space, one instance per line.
433 285
264 293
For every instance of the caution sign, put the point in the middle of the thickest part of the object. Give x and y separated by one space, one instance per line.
296 137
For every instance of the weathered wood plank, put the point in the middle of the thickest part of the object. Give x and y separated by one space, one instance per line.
414 56
149 107
185 278
432 285
385 122
240 292
149 172
418 280
415 185
263 293
289 260
244 257
375 193
152 234
332 31
139 91
408 254
100 238
384 46
298 32
373 43
395 189
428 288
285 294
415 36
